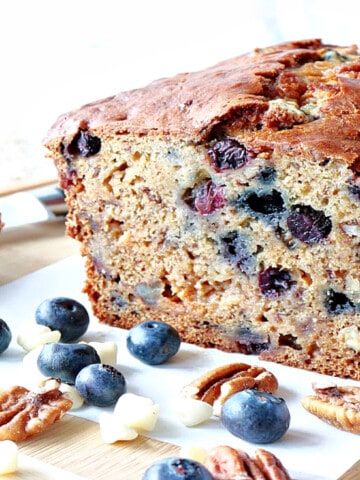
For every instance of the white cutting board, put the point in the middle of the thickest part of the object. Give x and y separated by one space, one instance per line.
310 446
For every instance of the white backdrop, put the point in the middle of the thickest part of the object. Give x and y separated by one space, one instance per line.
58 54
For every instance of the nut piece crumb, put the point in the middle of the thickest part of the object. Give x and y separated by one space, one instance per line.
225 463
24 413
337 405
216 385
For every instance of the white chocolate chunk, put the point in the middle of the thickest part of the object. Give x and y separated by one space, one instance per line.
32 335
351 337
8 457
144 421
113 430
127 400
191 411
107 352
72 394
137 412
351 229
193 452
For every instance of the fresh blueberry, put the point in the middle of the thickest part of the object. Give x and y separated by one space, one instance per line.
64 314
308 225
255 416
5 336
175 468
153 342
64 360
100 385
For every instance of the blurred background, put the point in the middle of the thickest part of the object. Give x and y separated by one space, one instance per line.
57 55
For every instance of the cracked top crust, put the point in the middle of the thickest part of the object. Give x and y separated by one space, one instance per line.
235 94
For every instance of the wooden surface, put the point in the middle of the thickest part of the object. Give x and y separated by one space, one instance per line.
26 249
74 444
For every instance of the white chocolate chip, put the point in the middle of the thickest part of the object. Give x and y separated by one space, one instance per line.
190 411
351 337
107 352
112 430
32 335
193 452
137 412
72 394
8 457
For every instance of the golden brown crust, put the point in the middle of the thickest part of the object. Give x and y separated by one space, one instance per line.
190 105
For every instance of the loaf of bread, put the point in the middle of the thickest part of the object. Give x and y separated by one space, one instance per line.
226 202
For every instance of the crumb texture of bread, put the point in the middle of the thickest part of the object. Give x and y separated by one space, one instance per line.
226 202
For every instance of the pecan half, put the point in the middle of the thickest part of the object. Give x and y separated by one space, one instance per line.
270 465
227 463
24 413
337 405
216 385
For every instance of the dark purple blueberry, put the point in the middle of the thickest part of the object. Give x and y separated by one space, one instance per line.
337 302
175 468
153 342
64 314
118 300
274 281
355 192
228 154
255 416
234 247
84 144
266 175
5 336
250 342
65 360
268 205
100 385
205 198
308 225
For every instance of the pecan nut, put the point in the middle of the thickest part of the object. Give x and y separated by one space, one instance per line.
337 405
24 413
227 463
217 385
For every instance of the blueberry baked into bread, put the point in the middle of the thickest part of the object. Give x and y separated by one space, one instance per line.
226 202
